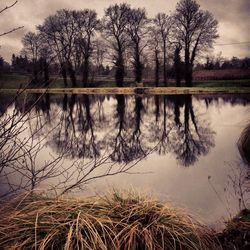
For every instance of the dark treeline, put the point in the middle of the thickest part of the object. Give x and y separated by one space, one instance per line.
2 65
80 43
214 63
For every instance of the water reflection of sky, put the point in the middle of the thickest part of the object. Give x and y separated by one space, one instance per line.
192 139
190 187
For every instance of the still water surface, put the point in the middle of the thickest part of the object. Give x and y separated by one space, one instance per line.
181 148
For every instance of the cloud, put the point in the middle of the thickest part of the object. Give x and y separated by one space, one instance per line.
233 17
234 25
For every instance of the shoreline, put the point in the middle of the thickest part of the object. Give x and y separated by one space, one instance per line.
135 90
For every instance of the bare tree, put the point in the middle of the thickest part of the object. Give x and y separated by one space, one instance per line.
154 47
31 44
87 24
47 56
100 53
39 53
14 29
196 30
164 25
114 27
137 30
60 30
177 64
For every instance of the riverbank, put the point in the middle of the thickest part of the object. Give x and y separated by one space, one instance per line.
117 221
134 90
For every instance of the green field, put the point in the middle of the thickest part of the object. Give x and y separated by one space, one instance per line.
106 85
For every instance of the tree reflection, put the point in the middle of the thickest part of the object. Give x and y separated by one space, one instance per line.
43 106
175 128
30 164
157 108
194 138
137 148
127 144
161 129
120 146
75 133
178 103
108 134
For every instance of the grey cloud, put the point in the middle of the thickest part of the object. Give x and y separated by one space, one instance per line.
233 16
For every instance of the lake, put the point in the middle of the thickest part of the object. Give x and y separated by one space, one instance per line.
177 148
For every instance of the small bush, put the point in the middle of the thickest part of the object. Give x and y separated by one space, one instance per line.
237 232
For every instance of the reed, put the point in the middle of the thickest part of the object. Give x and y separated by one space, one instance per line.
117 221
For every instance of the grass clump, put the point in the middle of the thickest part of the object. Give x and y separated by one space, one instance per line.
237 232
113 222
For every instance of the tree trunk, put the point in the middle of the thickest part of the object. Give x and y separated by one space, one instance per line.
188 68
85 75
177 66
138 65
157 67
165 80
46 72
189 75
119 74
64 74
72 74
35 73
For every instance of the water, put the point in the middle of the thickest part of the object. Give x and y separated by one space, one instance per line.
181 148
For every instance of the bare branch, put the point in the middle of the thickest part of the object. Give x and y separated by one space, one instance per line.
8 7
10 31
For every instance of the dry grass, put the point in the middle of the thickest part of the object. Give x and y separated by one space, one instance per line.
133 90
113 222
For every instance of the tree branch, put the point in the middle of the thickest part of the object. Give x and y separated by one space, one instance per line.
10 31
8 7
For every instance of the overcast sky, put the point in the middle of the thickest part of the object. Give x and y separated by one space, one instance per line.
233 17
